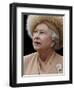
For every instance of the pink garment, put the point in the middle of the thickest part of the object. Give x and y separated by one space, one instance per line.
33 65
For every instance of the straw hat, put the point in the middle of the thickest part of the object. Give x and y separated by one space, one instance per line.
54 22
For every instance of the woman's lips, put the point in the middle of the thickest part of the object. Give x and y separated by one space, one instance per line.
37 43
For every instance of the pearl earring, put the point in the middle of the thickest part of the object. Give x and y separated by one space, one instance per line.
52 44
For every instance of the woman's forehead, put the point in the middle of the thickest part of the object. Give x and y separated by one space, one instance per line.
41 26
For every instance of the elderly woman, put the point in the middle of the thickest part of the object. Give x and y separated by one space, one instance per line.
47 36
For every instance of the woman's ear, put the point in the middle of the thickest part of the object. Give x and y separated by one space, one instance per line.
52 44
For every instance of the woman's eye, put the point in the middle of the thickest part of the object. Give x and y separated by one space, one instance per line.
35 31
42 32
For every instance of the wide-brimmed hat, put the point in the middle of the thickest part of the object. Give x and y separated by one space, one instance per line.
54 22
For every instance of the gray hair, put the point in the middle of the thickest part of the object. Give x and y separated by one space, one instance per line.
55 38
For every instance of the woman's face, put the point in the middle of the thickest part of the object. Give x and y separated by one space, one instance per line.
41 37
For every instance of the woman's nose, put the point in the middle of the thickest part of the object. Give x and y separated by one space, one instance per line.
36 35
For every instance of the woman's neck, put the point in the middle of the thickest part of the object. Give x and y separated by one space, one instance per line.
44 54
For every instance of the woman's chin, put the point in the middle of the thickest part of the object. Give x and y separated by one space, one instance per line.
37 48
